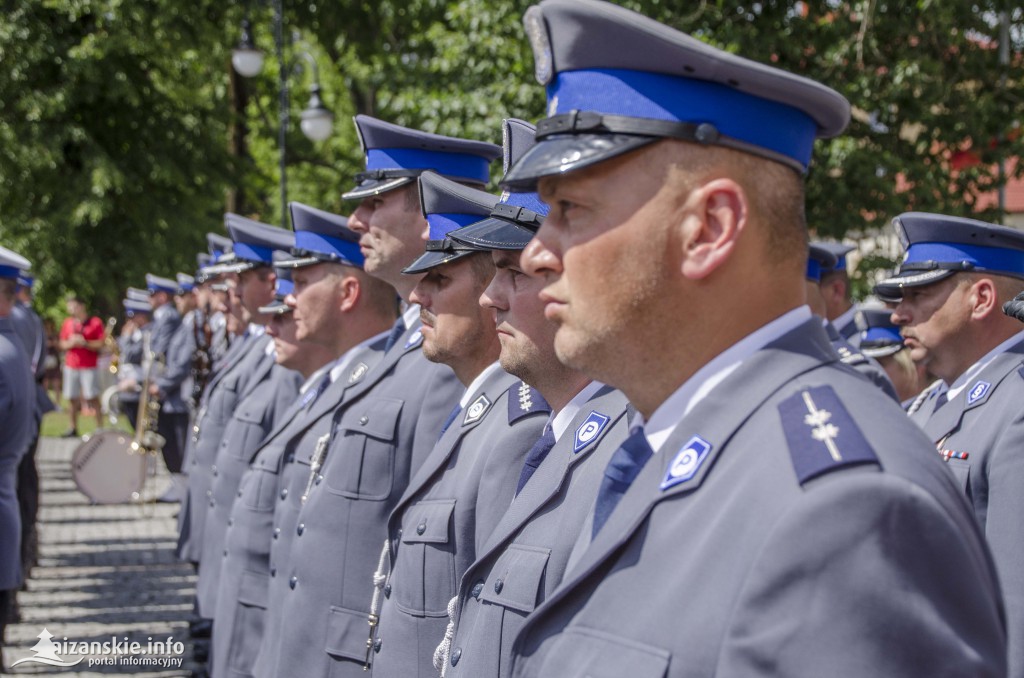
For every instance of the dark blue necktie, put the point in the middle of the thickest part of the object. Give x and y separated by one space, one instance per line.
941 400
451 417
535 456
397 330
620 473
312 394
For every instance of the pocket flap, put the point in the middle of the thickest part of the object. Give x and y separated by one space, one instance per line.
347 631
254 589
514 581
587 653
249 414
374 417
427 522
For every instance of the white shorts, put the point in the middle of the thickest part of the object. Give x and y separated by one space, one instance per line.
84 383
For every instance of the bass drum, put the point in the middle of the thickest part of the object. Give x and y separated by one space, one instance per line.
107 470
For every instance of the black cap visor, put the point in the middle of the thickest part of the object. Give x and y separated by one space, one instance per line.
435 257
372 187
563 153
891 289
493 234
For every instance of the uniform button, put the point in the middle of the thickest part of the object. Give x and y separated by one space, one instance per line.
478 588
215 473
318 479
292 582
387 590
421 528
214 469
239 493
231 521
456 656
364 420
300 529
284 494
225 553
209 493
498 585
376 645
277 531
211 503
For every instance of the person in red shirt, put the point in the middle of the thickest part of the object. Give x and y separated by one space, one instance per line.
81 337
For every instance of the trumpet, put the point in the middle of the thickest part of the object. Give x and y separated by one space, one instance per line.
111 345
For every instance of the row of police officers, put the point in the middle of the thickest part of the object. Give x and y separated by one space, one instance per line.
600 425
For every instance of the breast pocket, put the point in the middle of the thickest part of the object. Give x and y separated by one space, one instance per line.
423 579
227 399
250 428
259 490
962 472
365 441
586 653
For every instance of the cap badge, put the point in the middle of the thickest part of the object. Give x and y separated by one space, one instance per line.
540 42
589 430
687 462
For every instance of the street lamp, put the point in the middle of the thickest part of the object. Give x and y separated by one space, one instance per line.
316 121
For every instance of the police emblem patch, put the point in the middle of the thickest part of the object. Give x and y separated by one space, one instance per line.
414 338
476 410
589 430
978 392
358 373
687 462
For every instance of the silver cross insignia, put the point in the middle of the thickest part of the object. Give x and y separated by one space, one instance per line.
822 431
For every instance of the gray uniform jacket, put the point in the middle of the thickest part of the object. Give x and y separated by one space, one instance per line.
174 380
980 433
380 436
222 395
526 556
793 524
29 327
450 508
869 367
253 419
245 571
17 423
165 323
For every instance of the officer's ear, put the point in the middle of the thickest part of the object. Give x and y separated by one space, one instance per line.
717 212
984 298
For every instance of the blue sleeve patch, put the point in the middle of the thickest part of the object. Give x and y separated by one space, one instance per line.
821 434
524 400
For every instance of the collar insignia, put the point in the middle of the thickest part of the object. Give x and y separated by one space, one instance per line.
414 339
978 392
589 430
358 373
687 462
476 410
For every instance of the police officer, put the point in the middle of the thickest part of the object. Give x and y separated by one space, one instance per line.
955 277
835 290
821 259
166 318
256 415
457 497
879 338
770 513
341 318
17 418
382 431
526 555
131 346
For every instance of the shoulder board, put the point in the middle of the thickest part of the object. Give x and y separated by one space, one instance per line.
524 400
821 434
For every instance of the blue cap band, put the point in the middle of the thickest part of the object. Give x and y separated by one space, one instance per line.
530 201
249 252
161 288
995 259
347 250
882 334
442 224
840 264
10 272
460 165
814 270
766 124
284 287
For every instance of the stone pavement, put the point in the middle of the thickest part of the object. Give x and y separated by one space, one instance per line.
103 571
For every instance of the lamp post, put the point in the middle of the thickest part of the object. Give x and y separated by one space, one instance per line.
316 120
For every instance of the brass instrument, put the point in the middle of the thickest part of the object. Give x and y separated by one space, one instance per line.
111 346
109 401
146 437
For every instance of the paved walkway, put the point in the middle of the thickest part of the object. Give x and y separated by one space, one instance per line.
103 572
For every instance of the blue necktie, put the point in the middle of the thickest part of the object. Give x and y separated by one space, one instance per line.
397 330
941 400
620 473
451 417
535 456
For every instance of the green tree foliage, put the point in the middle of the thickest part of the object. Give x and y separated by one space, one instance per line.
115 116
